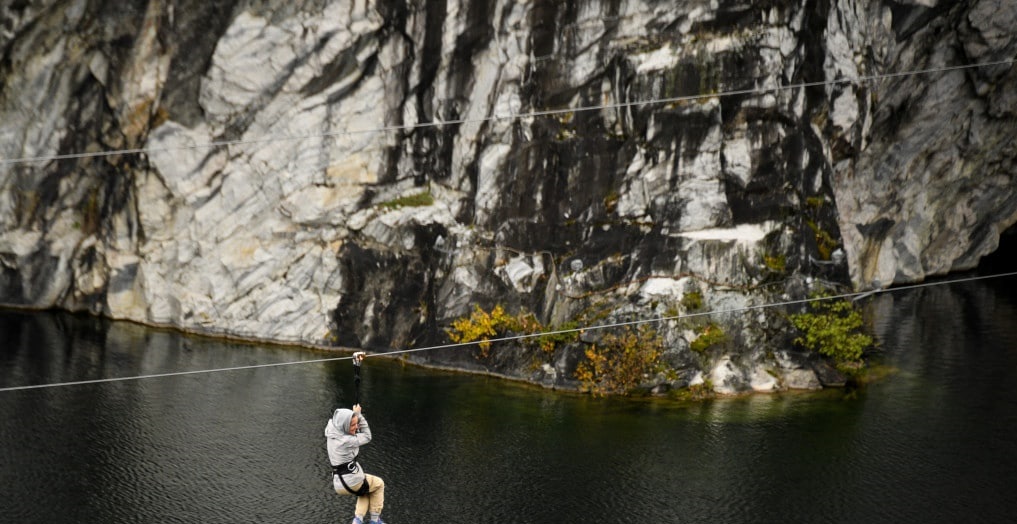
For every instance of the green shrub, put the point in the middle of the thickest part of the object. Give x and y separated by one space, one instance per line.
550 342
775 263
417 200
710 335
695 392
815 202
692 301
832 328
825 243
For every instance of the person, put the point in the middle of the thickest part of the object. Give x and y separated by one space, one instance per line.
345 432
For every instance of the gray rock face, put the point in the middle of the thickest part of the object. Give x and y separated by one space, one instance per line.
362 173
904 228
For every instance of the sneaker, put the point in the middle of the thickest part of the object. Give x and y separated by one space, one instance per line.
357 520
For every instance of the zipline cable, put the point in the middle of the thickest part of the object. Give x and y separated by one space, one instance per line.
853 295
515 116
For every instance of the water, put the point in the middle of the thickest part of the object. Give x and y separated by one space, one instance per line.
935 442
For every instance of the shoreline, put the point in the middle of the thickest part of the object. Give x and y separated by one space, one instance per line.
347 353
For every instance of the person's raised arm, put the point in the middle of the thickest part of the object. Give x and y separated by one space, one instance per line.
363 429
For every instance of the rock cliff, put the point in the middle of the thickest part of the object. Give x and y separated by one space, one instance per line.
357 173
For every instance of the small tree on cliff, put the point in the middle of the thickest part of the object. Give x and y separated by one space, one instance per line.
618 363
832 328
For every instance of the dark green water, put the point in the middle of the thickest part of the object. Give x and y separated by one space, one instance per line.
937 442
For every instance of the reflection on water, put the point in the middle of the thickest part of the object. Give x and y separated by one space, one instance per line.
933 443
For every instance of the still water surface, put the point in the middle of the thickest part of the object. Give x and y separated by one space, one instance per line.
936 442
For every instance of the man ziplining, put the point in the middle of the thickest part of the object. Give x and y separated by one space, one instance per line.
345 432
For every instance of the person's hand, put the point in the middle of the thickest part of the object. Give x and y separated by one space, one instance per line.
356 408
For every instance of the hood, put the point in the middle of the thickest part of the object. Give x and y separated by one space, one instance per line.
341 420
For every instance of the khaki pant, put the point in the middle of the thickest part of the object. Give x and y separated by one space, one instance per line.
374 501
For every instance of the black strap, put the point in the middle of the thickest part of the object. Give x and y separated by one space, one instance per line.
356 382
342 469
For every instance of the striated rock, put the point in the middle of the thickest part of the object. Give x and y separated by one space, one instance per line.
354 173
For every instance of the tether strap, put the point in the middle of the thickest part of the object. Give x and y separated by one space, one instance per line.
356 382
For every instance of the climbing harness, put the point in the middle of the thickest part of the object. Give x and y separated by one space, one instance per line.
345 469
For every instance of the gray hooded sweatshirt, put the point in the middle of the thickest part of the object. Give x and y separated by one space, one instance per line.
343 447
